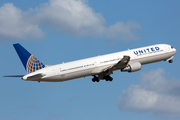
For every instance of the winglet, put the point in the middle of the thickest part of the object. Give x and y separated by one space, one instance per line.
30 63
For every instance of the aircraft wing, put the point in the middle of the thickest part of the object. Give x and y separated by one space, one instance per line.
120 65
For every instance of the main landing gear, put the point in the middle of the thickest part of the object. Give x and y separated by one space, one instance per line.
107 78
95 79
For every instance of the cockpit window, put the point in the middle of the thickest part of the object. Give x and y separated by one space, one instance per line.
171 47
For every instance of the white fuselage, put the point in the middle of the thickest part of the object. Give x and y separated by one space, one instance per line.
95 65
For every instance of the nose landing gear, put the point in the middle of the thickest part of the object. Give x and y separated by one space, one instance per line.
170 61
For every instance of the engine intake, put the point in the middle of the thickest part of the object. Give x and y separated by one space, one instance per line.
132 67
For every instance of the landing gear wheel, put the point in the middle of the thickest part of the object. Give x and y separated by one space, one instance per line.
95 79
170 61
108 78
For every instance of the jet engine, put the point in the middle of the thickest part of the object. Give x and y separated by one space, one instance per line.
132 67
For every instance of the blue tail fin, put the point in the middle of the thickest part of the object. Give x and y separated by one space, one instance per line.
31 64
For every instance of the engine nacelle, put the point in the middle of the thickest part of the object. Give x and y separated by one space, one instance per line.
132 67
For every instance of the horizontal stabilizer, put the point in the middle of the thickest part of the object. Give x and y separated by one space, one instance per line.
36 76
14 76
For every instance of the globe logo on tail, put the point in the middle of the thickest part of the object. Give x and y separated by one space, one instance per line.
34 64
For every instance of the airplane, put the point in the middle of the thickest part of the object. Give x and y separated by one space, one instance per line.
100 67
